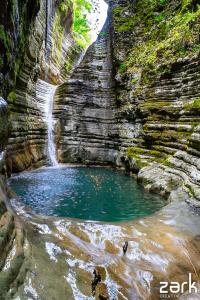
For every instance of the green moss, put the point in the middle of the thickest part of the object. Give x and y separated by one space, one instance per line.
58 33
166 135
151 156
82 44
6 41
134 151
64 7
137 151
12 96
103 34
122 67
167 30
1 62
4 36
68 66
195 104
135 80
190 190
122 22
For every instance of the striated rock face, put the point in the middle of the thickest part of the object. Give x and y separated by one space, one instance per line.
107 113
4 126
168 142
170 138
158 96
49 51
85 108
12 249
11 233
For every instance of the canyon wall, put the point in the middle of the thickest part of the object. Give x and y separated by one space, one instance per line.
40 47
132 112
87 130
157 79
32 51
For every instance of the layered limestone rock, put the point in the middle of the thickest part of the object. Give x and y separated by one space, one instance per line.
11 233
87 130
158 94
49 51
168 142
12 248
109 114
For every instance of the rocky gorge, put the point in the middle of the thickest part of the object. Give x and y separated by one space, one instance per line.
131 102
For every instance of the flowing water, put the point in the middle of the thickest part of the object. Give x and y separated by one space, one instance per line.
85 193
50 126
45 93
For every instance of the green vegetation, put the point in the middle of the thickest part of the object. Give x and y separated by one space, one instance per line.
6 41
122 68
64 6
166 30
141 156
80 23
12 96
122 22
190 190
194 105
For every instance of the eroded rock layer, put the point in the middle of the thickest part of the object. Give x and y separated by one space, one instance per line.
85 108
108 113
169 140
11 232
49 52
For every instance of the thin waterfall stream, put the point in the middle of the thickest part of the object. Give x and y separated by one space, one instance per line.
45 94
50 127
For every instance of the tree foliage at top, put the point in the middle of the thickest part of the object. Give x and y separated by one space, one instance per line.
81 25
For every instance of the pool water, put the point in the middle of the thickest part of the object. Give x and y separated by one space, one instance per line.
88 193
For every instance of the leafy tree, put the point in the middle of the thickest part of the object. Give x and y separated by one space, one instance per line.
81 25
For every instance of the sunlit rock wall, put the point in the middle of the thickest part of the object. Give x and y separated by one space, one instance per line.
104 116
158 120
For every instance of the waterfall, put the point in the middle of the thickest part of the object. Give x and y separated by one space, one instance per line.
45 98
50 124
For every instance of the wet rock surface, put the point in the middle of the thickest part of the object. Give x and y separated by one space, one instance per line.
61 260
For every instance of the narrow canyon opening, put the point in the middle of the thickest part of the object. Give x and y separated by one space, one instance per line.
94 20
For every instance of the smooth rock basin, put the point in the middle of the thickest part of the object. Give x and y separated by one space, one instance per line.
61 255
87 193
